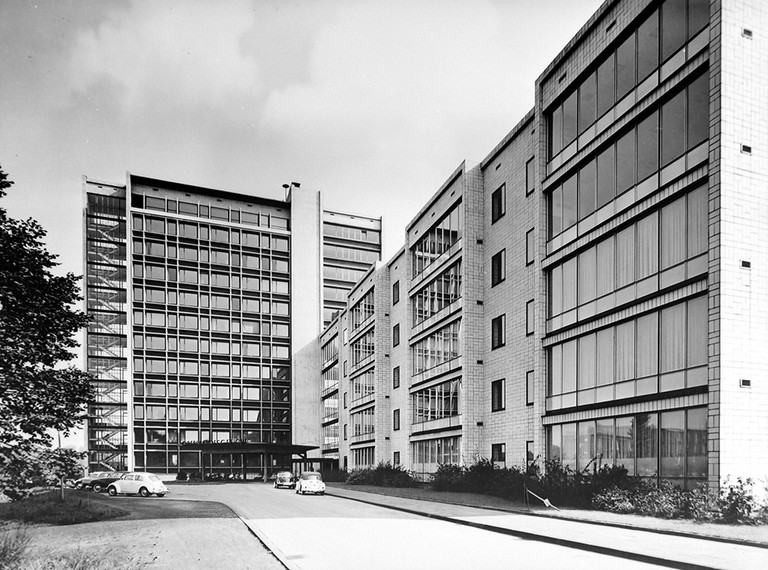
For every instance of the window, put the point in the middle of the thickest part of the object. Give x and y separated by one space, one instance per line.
436 402
345 431
498 452
498 400
396 377
345 404
530 176
528 452
396 420
498 331
396 335
530 246
498 267
498 203
529 317
529 388
396 293
396 458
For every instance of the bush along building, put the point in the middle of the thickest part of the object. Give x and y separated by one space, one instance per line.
596 289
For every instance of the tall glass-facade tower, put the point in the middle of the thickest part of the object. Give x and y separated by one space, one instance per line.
193 310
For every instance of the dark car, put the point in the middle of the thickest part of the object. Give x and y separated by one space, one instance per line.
100 484
85 482
285 479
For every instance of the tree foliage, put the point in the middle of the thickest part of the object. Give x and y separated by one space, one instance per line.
37 333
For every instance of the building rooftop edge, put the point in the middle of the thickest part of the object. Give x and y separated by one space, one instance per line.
432 199
522 123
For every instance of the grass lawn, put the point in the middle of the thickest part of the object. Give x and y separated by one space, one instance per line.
49 508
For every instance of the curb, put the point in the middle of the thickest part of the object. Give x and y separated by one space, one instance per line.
540 537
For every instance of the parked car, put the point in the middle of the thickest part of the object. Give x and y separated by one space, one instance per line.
101 483
137 482
85 482
284 479
310 482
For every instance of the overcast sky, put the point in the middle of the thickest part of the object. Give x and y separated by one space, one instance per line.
374 103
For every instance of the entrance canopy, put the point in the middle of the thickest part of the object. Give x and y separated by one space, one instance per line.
269 453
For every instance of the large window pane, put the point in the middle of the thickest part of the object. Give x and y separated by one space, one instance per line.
647 246
606 176
673 128
648 46
672 27
568 450
625 351
587 183
698 221
605 357
569 284
586 444
556 211
673 233
647 345
673 346
569 202
625 257
587 275
556 130
606 269
673 444
606 94
648 146
569 366
604 445
569 119
587 102
587 361
625 67
556 290
625 162
556 370
698 16
698 329
696 442
554 443
647 444
698 111
625 443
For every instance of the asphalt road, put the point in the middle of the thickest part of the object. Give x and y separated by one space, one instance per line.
321 532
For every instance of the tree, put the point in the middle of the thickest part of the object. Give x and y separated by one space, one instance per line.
37 328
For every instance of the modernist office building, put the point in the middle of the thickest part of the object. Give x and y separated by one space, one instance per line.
597 288
197 304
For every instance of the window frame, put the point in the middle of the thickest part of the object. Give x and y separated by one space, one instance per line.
498 395
499 210
498 331
498 267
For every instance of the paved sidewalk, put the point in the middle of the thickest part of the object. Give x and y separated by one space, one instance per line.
650 545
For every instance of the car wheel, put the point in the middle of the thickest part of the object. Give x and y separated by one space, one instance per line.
297 490
97 488
322 493
112 491
160 494
144 492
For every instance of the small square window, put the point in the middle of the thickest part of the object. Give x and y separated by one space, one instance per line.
529 388
498 203
498 267
396 458
529 318
498 331
497 395
499 452
530 246
530 177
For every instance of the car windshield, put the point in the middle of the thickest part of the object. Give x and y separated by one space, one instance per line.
153 478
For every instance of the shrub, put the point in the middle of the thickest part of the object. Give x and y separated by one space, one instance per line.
49 508
736 502
383 475
335 475
448 477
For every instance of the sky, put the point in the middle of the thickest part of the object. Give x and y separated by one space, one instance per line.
373 103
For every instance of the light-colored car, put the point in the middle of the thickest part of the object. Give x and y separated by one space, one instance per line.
284 479
310 482
137 482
